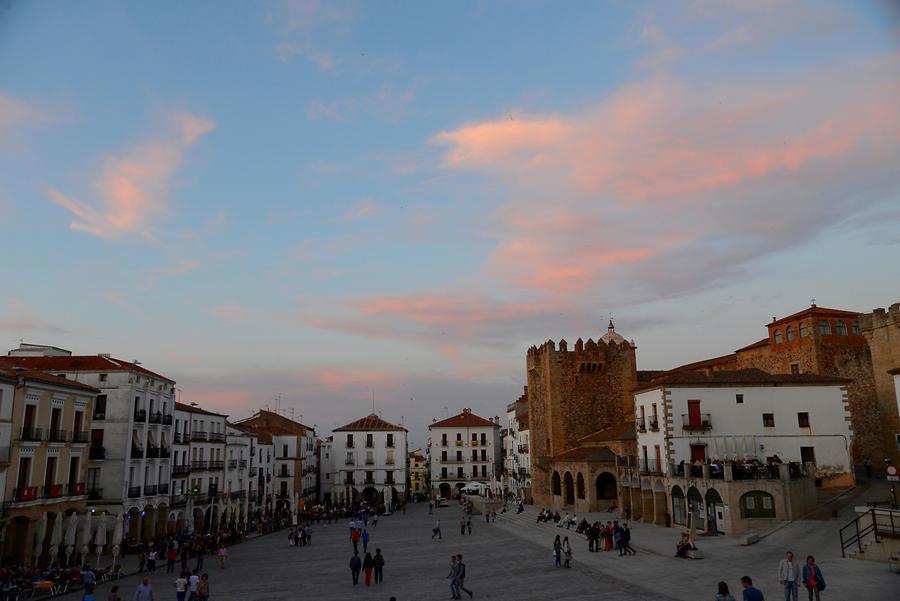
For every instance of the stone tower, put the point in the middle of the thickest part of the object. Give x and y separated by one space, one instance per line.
881 328
573 393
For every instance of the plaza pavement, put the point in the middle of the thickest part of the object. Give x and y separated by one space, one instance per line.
511 559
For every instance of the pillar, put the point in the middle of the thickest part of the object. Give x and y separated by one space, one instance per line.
647 505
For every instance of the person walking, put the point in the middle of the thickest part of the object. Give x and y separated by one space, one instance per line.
143 592
557 551
203 588
812 578
379 566
194 585
142 561
355 567
462 525
789 576
567 552
454 578
223 555
367 565
185 555
365 540
750 592
461 577
469 523
626 541
436 531
151 561
181 584
171 556
430 507
723 594
201 551
355 536
114 594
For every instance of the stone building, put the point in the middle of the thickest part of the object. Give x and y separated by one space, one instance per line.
573 394
881 329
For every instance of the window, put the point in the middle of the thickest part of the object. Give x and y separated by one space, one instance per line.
370 441
803 331
103 377
474 471
459 436
459 472
824 328
444 456
841 327
803 419
855 327
474 455
349 441
483 438
739 399
757 504
789 333
484 471
778 337
284 451
390 440
459 456
443 473
769 420
808 454
444 440
483 455
795 368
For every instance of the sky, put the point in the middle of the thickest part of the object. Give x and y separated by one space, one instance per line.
337 202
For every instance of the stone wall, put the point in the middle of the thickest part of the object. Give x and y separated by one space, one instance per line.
881 328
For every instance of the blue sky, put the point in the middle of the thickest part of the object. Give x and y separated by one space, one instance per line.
321 199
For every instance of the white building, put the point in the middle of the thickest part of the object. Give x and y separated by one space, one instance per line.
264 488
131 433
369 462
326 471
240 469
201 436
464 450
517 456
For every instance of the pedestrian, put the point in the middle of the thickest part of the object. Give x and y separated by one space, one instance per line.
367 565
567 552
185 554
751 593
201 551
181 585
626 541
461 577
723 594
171 556
557 551
194 585
454 578
355 566
223 555
151 561
868 465
436 531
462 525
114 594
142 561
379 566
203 589
430 507
143 592
88 577
365 540
789 576
354 536
88 594
469 522
812 578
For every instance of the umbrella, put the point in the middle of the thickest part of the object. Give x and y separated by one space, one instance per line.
69 539
100 538
41 534
189 515
86 537
56 535
117 537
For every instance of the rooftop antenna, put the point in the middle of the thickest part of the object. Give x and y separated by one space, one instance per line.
812 301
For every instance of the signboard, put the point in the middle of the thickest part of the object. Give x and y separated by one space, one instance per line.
891 471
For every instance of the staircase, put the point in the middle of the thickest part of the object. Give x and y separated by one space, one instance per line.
874 535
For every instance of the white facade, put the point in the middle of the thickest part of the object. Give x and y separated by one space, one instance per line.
802 422
326 470
264 486
201 436
517 454
240 467
369 462
464 449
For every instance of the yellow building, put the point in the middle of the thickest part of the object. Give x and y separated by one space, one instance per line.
418 473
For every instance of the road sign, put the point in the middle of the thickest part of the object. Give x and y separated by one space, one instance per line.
892 473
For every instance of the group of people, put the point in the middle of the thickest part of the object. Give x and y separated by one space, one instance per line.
369 564
457 577
611 536
300 536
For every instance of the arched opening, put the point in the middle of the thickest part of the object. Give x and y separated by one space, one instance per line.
714 511
696 510
579 486
678 506
445 490
570 489
556 484
370 495
459 488
199 520
757 504
660 504
606 488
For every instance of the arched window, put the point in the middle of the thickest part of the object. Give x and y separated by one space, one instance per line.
803 331
757 504
841 327
824 328
789 333
556 484
778 337
579 486
855 327
678 506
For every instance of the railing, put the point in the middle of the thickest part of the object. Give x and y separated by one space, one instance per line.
459 443
284 474
653 423
178 500
216 465
52 491
242 463
650 466
134 492
474 442
76 489
640 424
156 417
162 489
58 436
754 471
94 494
522 448
216 437
182 438
199 436
697 421
80 437
152 452
99 416
140 415
31 434
876 522
164 452
167 420
199 465
181 470
26 493
232 464
96 452
136 452
349 462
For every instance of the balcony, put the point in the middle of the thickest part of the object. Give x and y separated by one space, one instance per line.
134 492
217 465
164 452
474 443
136 452
653 423
76 489
284 474
80 437
178 500
459 443
57 436
242 463
150 490
26 494
370 462
94 494
152 452
182 438
99 416
199 465
96 452
198 436
216 437
181 470
167 420
31 434
156 417
232 464
650 466
140 415
641 424
522 448
52 491
696 422
349 462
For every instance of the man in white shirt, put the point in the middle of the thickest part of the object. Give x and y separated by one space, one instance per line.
144 592
789 576
180 587
194 584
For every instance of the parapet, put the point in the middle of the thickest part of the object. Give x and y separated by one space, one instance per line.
880 318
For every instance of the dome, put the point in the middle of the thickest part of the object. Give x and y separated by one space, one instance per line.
611 335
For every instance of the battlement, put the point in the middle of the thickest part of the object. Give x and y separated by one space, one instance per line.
591 351
880 318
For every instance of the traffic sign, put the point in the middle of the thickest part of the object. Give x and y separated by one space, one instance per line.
892 473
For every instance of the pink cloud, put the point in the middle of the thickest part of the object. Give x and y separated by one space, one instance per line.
133 187
15 112
364 209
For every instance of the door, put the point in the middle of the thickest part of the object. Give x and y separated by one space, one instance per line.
694 413
808 454
711 526
698 453
50 474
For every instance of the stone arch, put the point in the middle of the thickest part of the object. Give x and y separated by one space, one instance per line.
660 504
757 504
579 486
679 509
569 485
370 495
556 484
445 490
606 486
713 505
696 508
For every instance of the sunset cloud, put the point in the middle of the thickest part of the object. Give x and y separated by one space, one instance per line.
133 187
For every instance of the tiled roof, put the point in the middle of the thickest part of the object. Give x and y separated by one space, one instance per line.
645 375
10 372
587 454
466 419
193 409
758 344
100 363
623 431
742 377
714 362
273 423
370 423
817 311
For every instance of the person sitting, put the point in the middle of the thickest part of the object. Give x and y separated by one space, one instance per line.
684 545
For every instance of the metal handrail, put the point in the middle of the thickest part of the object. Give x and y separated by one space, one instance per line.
857 534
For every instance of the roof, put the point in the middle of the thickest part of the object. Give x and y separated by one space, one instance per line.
818 311
370 423
623 431
894 371
194 409
587 454
741 377
466 419
99 363
273 423
34 375
645 375
757 344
